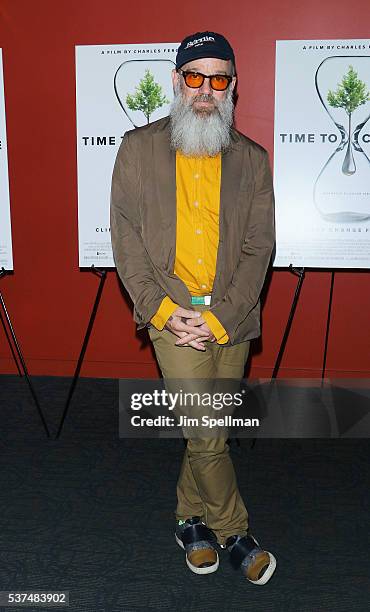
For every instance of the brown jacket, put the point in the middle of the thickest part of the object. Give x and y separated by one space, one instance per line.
143 228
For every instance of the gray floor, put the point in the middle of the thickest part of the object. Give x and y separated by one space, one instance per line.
93 514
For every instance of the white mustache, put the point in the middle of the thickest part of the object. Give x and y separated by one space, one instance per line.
203 98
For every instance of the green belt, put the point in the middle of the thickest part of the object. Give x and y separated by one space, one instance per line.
198 299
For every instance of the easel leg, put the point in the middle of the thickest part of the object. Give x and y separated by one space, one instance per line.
102 275
10 344
300 272
20 357
328 324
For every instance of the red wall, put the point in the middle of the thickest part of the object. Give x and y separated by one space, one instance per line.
48 297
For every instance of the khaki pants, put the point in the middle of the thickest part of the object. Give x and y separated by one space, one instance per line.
207 484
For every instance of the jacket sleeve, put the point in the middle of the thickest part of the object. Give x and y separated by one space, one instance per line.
215 326
166 309
242 295
131 258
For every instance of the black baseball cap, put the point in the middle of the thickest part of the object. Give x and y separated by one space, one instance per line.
204 44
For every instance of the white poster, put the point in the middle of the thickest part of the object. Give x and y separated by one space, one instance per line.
322 153
6 256
118 88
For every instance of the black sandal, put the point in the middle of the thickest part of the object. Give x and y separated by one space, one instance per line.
198 541
257 565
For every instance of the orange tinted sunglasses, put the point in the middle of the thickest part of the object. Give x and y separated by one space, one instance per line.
219 82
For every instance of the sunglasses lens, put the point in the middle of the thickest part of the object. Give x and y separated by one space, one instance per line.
192 79
219 82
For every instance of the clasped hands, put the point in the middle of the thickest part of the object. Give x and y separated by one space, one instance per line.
190 327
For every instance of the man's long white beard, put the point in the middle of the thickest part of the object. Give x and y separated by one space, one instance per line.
201 134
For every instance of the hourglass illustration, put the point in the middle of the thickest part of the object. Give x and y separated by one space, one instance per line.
342 189
144 89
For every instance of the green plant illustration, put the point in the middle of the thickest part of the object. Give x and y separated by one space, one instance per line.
349 95
147 97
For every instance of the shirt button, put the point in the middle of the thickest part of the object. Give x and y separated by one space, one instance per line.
196 203
200 261
198 231
203 286
196 176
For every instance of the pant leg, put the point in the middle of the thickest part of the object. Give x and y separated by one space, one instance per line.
207 478
183 363
189 501
213 471
209 458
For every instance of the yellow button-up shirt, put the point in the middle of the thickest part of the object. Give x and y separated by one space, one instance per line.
198 186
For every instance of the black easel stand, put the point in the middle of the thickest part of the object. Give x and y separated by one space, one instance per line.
301 273
102 275
16 351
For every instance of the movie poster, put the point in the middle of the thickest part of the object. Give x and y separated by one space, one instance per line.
118 88
6 255
322 153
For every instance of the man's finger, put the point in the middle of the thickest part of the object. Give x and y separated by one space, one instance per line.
196 345
184 312
184 327
188 338
193 343
197 321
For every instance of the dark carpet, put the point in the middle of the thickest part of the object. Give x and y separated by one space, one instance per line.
93 514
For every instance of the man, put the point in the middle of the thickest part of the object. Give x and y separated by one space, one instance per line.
192 225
